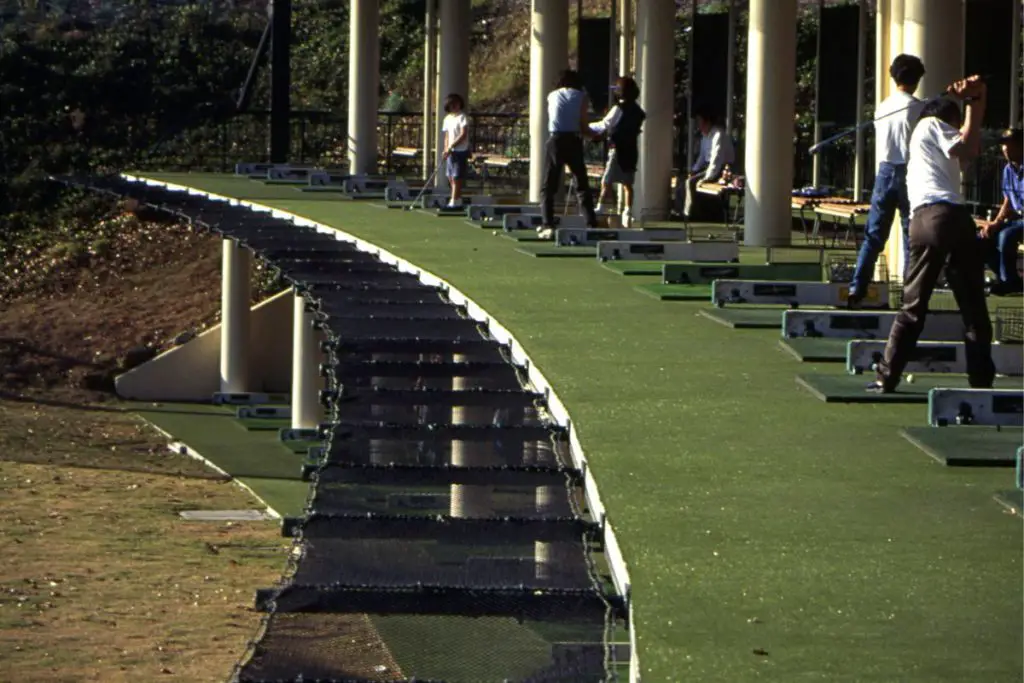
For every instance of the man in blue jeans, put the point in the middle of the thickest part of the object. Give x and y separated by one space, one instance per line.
1004 234
894 121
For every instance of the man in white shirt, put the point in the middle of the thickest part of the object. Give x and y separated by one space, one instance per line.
716 151
894 120
942 234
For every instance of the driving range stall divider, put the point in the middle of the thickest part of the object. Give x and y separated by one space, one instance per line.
449 491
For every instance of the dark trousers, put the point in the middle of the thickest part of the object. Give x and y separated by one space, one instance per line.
565 149
888 195
942 235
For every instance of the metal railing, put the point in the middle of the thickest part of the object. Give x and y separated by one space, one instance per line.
320 138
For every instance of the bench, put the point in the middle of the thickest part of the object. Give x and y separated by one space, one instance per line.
805 204
406 156
840 211
723 190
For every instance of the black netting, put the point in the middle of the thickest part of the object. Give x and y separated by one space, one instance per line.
1010 324
359 648
446 535
520 502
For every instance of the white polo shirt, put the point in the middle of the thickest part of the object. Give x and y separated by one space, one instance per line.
932 175
454 124
892 133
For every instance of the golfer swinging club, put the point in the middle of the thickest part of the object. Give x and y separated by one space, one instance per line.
942 233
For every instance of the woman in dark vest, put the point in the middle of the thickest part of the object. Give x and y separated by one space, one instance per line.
622 124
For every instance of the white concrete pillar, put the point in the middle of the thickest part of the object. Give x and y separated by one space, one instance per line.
934 31
235 296
453 65
655 24
548 555
549 55
467 500
363 84
306 381
771 85
429 83
862 55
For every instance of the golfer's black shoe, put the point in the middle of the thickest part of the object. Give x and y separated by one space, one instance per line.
853 300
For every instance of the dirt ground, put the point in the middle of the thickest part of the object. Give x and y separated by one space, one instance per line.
101 579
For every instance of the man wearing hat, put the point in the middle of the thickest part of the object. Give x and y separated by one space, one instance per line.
1003 234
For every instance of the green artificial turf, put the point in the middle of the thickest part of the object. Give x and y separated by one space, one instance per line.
257 458
816 349
663 292
967 446
754 520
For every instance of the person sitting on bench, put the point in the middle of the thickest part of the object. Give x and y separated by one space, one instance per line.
716 151
567 123
622 124
1003 235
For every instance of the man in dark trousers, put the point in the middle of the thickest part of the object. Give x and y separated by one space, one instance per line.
567 124
942 234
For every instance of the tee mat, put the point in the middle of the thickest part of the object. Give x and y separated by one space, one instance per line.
793 294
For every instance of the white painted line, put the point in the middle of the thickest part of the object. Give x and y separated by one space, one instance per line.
613 552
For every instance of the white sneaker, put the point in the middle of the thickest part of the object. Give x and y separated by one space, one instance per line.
546 233
597 209
627 219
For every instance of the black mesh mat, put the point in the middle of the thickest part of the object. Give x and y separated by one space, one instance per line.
445 537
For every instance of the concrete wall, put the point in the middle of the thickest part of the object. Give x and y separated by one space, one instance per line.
191 372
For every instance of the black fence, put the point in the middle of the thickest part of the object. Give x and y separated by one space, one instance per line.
320 138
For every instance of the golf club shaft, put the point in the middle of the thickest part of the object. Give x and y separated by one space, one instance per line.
814 149
427 184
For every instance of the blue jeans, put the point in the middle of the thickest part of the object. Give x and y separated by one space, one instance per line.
1001 251
889 194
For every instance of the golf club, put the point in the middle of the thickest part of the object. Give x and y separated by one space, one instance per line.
814 149
426 184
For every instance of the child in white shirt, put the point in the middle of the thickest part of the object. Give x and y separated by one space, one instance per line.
456 146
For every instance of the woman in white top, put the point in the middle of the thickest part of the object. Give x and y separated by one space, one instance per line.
942 235
456 146
622 125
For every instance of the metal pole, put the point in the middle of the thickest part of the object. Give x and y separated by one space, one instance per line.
815 164
689 87
429 72
1015 66
626 37
862 49
280 81
730 78
613 51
